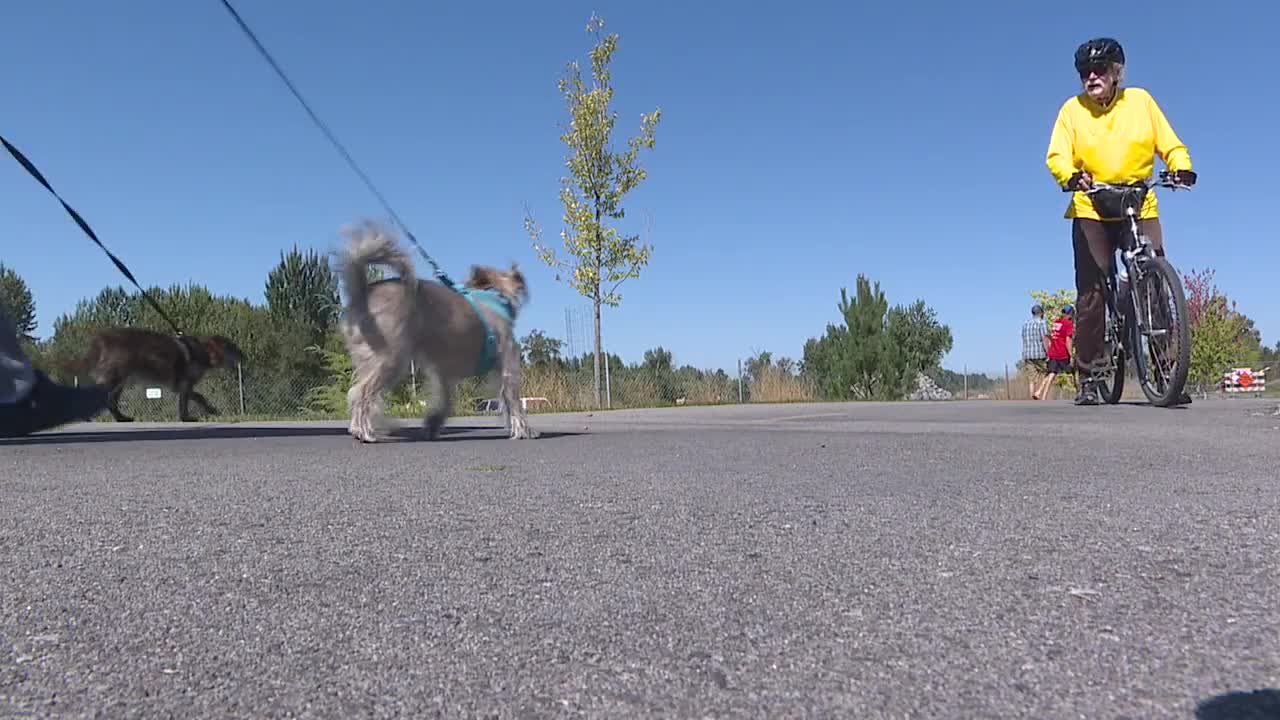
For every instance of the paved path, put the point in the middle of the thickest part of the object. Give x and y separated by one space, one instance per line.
949 560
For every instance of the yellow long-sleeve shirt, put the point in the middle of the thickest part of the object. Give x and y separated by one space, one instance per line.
1117 144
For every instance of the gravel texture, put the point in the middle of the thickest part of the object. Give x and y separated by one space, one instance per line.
905 560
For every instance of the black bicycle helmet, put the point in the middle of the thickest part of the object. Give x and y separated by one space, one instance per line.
1096 51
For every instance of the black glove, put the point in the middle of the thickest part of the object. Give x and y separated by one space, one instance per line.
1185 177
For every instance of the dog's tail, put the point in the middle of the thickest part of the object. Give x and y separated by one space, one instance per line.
371 244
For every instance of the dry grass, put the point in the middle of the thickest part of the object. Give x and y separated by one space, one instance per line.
709 390
775 386
567 391
562 391
637 392
1019 387
575 391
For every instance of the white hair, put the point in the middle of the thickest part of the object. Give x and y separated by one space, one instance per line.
1117 71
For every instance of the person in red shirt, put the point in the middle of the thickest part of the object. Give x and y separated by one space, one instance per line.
1059 355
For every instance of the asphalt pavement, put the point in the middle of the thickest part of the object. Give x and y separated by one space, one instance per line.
922 560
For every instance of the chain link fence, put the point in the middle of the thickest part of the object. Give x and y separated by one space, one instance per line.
233 393
242 393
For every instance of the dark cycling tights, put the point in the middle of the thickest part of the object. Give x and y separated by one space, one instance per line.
1094 243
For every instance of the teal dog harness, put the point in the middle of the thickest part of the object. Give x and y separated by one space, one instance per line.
493 300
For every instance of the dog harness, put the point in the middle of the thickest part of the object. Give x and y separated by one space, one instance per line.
495 301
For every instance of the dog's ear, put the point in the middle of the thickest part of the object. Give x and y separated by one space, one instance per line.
214 348
231 353
482 278
518 281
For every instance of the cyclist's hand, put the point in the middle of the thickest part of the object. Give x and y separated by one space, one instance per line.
1081 180
1185 177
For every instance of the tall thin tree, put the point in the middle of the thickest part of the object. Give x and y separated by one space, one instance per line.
601 258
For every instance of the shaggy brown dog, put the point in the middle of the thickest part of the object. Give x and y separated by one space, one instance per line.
453 334
118 355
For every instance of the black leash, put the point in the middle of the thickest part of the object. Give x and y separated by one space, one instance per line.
323 128
31 168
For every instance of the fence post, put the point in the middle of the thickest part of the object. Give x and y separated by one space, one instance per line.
413 379
240 382
739 380
966 381
1008 390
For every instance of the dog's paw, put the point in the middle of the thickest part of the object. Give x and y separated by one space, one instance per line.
432 427
520 431
363 434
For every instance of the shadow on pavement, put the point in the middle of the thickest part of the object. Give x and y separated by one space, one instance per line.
398 435
1144 403
1256 705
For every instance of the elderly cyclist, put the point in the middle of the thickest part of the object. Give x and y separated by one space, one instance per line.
1110 134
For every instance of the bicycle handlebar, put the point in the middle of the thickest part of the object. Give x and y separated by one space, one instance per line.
1165 180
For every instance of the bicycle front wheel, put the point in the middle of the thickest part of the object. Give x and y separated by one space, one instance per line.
1163 333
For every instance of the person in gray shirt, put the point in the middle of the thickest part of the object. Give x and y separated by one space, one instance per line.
1035 346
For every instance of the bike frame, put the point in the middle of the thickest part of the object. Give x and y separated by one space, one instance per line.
1127 328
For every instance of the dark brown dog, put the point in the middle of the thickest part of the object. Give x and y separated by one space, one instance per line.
118 355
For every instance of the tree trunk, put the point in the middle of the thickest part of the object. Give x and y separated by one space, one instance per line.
599 259
598 349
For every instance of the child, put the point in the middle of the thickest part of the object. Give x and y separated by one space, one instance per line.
1060 335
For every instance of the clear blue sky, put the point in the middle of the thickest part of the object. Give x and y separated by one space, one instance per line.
798 148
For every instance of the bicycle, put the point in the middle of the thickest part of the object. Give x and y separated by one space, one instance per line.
1146 275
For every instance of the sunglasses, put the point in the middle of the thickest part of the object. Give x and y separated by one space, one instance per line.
1100 69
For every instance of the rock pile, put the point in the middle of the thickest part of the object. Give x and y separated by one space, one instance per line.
927 389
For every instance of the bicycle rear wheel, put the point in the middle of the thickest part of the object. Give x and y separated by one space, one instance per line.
1110 383
1162 339
1111 387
